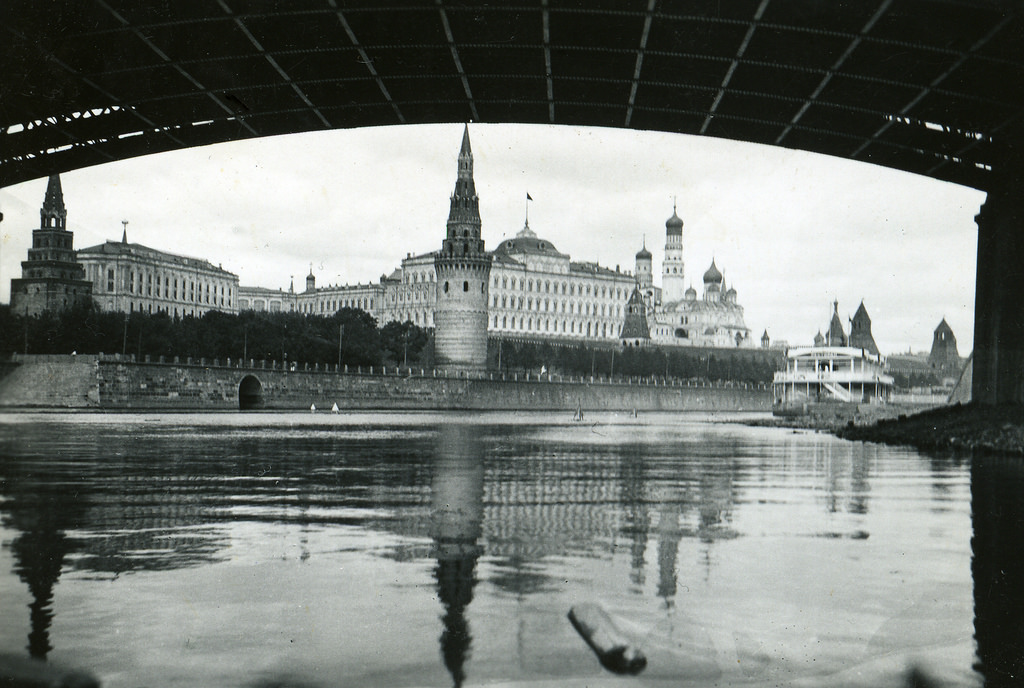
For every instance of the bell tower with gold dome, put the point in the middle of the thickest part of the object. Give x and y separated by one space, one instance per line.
463 270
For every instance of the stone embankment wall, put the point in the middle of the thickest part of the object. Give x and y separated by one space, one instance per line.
50 381
107 382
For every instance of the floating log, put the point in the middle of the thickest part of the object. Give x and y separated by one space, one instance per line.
616 652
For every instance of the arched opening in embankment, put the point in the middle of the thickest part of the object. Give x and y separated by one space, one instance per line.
250 393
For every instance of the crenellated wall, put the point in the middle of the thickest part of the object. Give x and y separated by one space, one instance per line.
111 383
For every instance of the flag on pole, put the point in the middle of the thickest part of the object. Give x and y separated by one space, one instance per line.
528 196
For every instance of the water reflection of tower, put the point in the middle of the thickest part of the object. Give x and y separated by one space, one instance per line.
860 471
457 489
633 497
39 553
716 497
669 535
42 513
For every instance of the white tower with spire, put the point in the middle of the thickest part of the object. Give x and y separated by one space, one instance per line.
673 286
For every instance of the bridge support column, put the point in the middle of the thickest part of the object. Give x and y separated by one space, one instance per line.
998 376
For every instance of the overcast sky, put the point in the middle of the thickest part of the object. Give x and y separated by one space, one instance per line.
790 230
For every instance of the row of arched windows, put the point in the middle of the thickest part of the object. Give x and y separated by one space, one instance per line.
556 287
550 305
336 304
161 284
566 327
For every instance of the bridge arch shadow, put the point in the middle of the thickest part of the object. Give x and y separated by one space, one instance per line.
250 393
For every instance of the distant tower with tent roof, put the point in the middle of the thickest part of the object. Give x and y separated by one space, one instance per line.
944 355
635 330
860 331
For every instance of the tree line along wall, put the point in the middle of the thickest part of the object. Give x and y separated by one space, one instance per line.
511 354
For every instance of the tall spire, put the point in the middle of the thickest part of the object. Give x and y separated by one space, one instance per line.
466 157
53 213
54 201
464 216
124 231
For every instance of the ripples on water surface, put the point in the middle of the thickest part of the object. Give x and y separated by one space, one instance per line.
432 549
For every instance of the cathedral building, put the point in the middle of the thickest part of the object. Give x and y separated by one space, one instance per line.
51 279
463 269
677 317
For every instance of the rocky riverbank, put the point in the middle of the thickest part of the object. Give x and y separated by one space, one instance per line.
998 430
834 417
928 428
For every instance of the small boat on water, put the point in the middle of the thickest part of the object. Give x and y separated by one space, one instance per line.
829 374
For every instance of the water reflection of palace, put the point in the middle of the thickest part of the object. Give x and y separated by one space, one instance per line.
161 502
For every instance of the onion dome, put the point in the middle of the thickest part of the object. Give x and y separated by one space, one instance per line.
712 275
643 254
691 293
674 225
731 291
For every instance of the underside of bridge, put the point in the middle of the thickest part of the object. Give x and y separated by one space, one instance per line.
933 87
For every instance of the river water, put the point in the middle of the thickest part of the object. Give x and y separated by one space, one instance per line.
428 549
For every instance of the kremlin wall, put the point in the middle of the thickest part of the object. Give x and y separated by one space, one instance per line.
116 383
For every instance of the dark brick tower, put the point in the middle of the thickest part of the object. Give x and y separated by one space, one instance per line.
463 270
944 355
51 278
